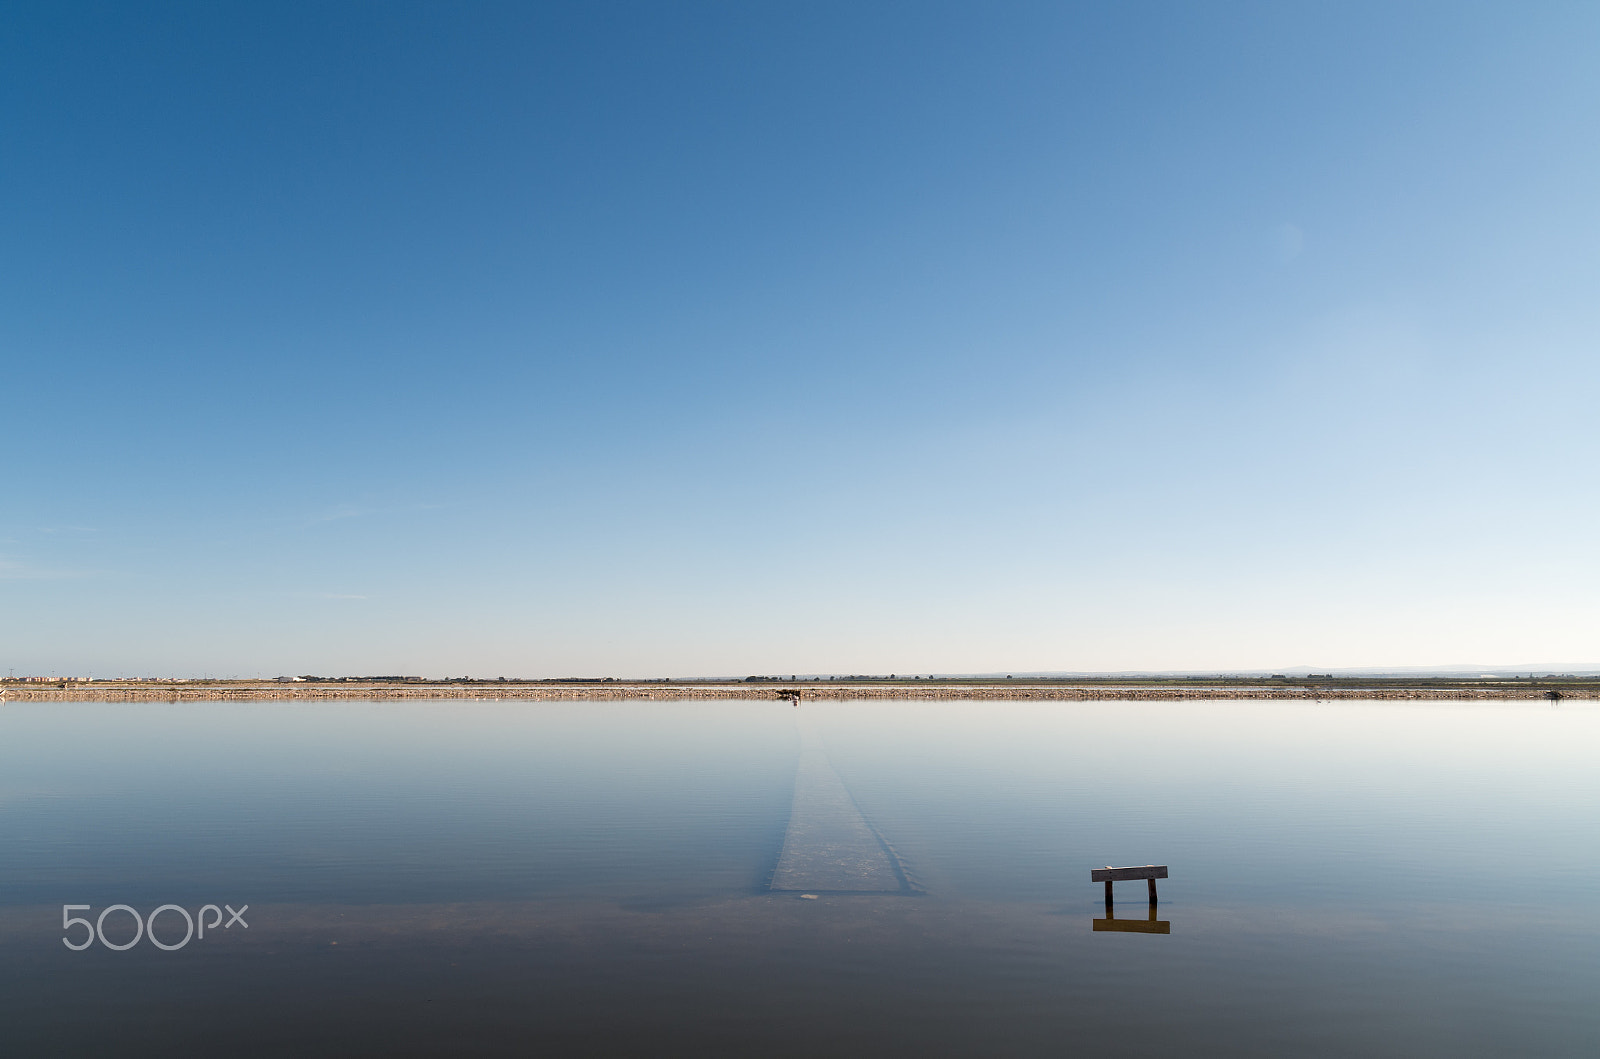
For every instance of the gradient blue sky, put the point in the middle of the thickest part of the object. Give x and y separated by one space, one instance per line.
668 339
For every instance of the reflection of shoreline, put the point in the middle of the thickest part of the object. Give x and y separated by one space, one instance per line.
113 691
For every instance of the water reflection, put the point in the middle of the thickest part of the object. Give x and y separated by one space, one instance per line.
1151 925
598 878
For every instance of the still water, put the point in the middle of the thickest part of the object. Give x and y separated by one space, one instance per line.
1354 878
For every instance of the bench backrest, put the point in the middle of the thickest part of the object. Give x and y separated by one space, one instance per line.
1109 874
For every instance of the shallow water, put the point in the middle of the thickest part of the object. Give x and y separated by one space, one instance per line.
478 876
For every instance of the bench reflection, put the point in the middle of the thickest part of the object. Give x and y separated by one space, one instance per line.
1134 926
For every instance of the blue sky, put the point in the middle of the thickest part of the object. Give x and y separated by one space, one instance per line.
658 340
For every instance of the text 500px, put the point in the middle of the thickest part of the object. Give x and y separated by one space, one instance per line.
97 929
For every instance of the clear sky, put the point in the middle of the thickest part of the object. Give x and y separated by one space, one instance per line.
663 339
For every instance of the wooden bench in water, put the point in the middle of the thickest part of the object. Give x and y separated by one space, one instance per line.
1148 872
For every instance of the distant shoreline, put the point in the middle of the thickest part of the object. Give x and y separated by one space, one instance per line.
1066 691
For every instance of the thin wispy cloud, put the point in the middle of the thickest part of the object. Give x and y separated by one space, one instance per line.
19 570
321 595
341 512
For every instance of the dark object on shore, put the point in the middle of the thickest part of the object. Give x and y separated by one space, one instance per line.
1108 875
1552 694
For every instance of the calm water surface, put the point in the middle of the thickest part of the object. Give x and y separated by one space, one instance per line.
1348 878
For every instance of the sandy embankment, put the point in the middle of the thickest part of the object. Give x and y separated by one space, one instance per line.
832 690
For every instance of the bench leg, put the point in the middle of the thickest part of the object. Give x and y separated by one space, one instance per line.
1152 883
1108 893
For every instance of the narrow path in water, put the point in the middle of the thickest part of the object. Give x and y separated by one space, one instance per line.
830 847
